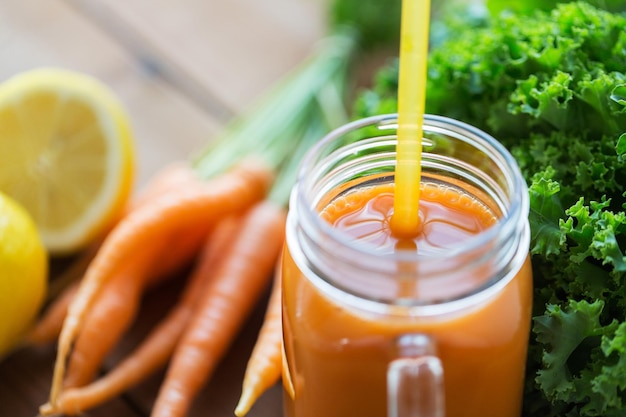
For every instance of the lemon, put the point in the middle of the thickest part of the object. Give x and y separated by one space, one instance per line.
66 154
23 272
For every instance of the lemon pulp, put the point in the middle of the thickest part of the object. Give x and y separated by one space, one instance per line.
66 154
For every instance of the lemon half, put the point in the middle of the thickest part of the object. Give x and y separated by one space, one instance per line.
23 273
66 154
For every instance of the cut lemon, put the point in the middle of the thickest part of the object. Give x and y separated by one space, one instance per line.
66 154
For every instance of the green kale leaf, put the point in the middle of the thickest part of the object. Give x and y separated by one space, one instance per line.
551 86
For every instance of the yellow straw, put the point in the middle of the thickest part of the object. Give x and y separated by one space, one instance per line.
411 102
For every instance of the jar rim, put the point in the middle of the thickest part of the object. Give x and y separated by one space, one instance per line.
518 204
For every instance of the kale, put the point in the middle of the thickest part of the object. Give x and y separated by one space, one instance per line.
551 86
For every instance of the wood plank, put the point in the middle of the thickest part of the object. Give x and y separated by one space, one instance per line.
232 49
24 385
166 125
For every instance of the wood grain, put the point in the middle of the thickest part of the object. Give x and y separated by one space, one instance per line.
182 69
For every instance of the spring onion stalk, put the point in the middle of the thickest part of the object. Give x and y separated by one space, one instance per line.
310 99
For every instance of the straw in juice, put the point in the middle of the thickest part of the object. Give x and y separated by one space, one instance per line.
411 103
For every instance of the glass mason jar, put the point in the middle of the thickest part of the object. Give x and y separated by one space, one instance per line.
439 329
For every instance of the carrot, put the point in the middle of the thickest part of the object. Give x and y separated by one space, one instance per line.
157 348
267 360
189 241
64 287
172 176
110 316
48 326
230 192
264 367
237 285
169 179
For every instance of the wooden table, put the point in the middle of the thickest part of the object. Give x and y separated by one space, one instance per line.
183 69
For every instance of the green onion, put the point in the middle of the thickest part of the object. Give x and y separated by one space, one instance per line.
304 106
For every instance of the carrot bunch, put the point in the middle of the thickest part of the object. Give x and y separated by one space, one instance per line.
223 214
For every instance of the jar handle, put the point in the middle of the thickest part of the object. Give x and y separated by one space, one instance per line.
415 379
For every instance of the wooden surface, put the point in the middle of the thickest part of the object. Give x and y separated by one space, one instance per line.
183 69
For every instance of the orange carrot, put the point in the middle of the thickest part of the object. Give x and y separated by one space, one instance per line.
110 316
176 174
170 179
264 367
179 255
236 287
157 348
47 328
207 203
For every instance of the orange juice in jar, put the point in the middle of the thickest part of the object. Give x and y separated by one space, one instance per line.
433 326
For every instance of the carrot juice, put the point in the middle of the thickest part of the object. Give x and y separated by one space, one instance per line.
353 292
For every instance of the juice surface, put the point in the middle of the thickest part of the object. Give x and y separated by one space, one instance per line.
337 357
447 217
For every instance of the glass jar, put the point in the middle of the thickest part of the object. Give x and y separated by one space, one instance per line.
440 329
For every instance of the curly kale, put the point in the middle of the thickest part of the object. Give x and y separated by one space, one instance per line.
551 86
